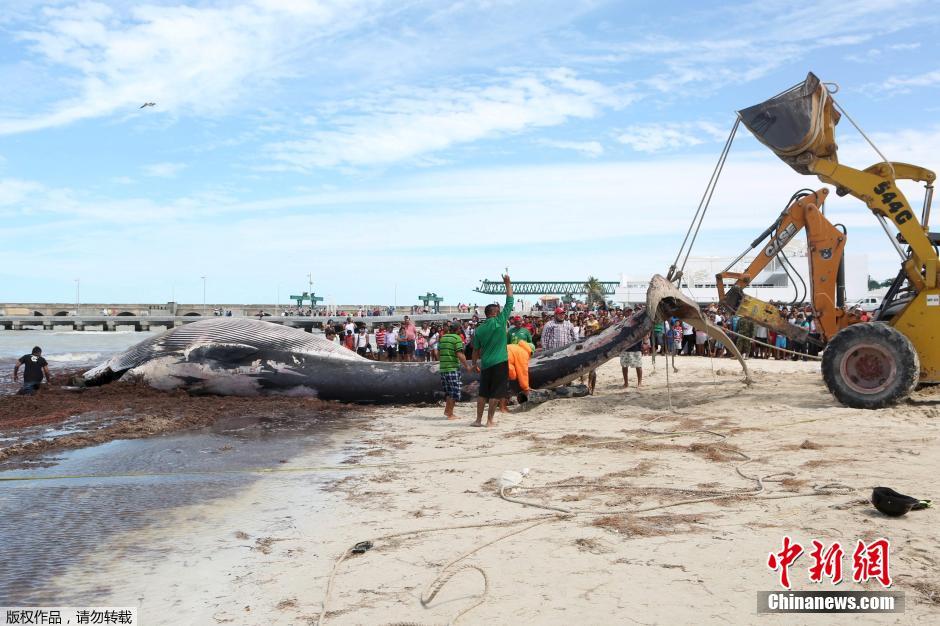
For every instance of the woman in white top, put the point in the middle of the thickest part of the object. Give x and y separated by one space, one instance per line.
363 346
433 341
391 343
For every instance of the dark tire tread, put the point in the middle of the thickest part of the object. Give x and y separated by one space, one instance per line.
908 365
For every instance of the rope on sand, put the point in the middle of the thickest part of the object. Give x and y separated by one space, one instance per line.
757 341
561 513
446 574
818 490
435 586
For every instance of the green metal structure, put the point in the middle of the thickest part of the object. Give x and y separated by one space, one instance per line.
312 297
542 288
431 297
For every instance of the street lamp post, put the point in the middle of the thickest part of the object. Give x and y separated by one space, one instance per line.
78 300
203 296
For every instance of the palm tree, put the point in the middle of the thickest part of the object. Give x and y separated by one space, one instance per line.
595 292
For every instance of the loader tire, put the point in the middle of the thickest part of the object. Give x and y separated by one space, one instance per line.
870 366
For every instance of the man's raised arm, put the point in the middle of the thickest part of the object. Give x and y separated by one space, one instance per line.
507 307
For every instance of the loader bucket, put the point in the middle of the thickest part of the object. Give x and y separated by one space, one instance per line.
798 124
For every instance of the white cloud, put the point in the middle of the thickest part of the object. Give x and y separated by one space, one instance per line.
657 137
754 39
198 59
904 46
926 79
163 170
154 240
873 54
587 148
393 127
14 191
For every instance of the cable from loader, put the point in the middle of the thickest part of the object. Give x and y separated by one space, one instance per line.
675 270
781 255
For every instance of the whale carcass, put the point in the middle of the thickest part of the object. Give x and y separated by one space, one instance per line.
247 357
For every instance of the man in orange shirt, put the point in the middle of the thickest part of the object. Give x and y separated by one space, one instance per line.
519 354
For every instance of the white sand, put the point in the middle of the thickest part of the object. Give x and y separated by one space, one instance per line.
698 563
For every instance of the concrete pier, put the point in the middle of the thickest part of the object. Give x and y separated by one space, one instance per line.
125 323
180 309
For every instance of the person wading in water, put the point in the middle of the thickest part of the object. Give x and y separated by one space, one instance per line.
34 366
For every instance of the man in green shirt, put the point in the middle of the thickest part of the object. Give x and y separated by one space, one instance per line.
451 350
489 348
518 332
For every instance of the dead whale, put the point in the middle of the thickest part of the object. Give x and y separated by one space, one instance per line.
247 357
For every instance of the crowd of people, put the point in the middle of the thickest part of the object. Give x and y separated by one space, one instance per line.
362 311
674 337
409 342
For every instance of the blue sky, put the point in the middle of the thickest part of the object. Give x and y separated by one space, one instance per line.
400 147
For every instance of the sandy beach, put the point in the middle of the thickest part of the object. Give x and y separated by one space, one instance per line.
265 555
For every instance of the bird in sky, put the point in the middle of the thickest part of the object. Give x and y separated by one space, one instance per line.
148 104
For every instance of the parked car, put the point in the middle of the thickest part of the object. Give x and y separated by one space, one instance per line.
869 303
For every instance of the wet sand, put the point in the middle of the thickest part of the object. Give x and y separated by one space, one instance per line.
263 554
60 419
74 502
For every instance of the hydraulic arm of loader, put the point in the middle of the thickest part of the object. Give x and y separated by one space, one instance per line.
876 186
825 248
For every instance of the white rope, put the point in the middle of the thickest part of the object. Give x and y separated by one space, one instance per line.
668 384
802 354
818 490
431 592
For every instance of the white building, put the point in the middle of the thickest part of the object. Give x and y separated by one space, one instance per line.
773 284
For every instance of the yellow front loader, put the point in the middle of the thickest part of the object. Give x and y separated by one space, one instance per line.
876 364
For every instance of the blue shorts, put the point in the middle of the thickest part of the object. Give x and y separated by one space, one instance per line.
781 341
452 384
29 389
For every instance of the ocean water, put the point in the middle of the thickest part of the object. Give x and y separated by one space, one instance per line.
71 348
